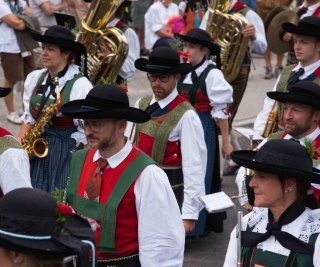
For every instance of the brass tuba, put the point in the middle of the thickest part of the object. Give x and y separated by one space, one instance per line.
31 141
226 30
93 33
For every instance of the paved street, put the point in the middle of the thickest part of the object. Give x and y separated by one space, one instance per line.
209 251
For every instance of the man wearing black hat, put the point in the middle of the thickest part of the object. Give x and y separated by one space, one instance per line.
306 8
14 161
306 36
301 115
174 136
209 93
125 196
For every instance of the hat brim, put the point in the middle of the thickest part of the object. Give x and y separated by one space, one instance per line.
4 91
295 97
72 45
292 28
246 159
76 109
52 246
142 64
214 48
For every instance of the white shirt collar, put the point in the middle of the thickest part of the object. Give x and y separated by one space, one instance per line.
112 23
233 2
308 69
312 8
117 158
312 136
164 102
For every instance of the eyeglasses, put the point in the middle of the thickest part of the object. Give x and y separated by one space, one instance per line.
93 125
163 77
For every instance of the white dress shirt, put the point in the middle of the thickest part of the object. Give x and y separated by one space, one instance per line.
218 89
310 11
128 69
14 169
160 229
156 19
260 121
194 156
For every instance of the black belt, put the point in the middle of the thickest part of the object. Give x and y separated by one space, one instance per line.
130 261
175 176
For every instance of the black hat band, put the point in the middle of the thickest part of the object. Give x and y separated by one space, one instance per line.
278 159
29 227
96 103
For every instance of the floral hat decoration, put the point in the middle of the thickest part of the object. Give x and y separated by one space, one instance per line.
29 224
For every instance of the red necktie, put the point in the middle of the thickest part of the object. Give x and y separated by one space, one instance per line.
94 184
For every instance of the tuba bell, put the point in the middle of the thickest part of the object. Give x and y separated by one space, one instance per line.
94 33
226 31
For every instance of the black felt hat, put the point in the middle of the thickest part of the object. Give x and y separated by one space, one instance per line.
4 91
202 37
281 157
104 101
63 37
29 224
309 26
163 60
305 92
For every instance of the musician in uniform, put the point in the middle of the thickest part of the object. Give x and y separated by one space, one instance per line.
283 228
301 115
306 36
125 195
174 136
127 69
255 31
60 54
14 161
208 92
307 8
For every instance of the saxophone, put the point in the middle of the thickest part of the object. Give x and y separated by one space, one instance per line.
31 141
272 121
94 33
226 30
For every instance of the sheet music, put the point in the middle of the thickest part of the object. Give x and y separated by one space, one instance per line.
217 202
247 132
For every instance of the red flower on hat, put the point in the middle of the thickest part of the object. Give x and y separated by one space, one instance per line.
65 209
183 55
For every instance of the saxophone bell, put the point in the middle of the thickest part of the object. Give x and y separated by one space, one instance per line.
40 147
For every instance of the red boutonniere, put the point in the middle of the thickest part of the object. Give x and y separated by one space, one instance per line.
63 210
183 56
123 87
312 149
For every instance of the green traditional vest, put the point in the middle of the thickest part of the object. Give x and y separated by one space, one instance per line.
7 142
160 132
106 213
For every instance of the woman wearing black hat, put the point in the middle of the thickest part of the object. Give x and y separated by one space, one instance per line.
60 54
207 90
38 232
281 230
